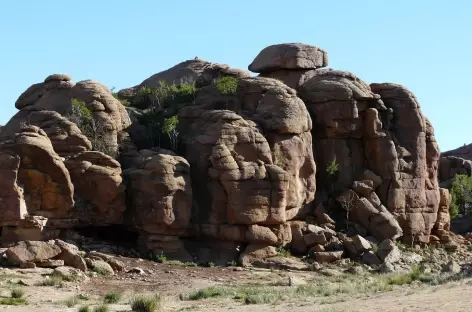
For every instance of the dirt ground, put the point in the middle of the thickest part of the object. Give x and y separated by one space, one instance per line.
173 280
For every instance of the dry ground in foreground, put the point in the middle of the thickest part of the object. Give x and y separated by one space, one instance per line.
238 290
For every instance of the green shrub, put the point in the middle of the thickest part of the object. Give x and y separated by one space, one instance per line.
461 194
112 297
332 168
161 257
227 85
82 116
80 108
165 95
146 303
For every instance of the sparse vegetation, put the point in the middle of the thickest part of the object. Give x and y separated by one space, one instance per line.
112 297
283 251
161 257
101 308
321 287
72 301
146 303
332 168
124 102
227 85
162 104
84 309
17 293
170 129
165 95
52 280
82 116
16 298
461 194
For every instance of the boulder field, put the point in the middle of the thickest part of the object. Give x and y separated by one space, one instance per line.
296 156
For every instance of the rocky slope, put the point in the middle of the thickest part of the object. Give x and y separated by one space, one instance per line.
291 157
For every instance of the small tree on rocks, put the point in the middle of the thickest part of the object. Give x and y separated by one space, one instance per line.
170 128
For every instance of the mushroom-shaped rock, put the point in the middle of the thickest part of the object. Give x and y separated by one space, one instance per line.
289 56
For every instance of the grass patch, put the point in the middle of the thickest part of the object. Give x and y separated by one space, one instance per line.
146 303
205 293
345 285
53 280
84 309
71 302
16 298
17 293
101 308
13 301
179 263
112 297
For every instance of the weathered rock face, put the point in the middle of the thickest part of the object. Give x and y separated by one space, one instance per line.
56 94
160 193
35 178
66 138
245 172
99 187
411 191
378 127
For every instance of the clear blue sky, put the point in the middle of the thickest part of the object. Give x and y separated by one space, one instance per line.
425 45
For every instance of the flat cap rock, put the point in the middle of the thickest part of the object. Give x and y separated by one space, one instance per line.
289 56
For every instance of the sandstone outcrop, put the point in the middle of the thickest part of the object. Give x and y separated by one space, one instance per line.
57 92
287 158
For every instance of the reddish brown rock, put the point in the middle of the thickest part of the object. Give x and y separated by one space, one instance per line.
289 56
160 193
256 252
41 173
98 186
32 251
328 256
56 94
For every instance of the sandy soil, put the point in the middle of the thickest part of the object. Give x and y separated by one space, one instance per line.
172 280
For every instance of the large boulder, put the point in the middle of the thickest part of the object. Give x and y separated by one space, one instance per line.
57 93
32 251
99 187
36 179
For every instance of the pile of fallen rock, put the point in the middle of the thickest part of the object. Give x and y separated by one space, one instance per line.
57 253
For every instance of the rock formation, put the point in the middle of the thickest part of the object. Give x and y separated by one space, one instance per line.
259 163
